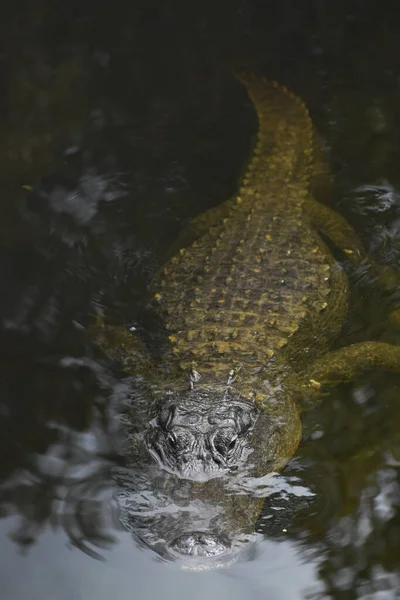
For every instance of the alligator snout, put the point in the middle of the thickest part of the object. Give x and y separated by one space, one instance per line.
199 544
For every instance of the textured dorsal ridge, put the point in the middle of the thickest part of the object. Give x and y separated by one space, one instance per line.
240 291
283 153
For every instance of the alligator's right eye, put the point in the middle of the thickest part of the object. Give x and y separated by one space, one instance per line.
219 447
224 443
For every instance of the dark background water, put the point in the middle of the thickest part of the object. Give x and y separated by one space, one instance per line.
119 122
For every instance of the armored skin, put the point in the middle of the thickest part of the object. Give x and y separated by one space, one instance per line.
252 301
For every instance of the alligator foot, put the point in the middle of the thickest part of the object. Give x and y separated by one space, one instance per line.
347 363
122 345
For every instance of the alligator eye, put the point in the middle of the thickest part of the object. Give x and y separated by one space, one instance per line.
220 448
244 421
232 443
171 440
224 443
166 417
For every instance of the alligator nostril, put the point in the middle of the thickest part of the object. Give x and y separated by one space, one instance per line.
200 544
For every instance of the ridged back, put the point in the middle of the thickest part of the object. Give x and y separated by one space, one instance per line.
240 292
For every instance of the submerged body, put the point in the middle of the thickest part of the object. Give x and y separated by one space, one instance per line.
252 301
249 305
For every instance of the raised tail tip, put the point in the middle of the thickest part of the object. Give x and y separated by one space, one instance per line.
249 76
245 74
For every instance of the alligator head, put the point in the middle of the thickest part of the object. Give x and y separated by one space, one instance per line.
214 445
203 433
200 435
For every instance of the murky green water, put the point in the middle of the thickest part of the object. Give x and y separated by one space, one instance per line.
119 122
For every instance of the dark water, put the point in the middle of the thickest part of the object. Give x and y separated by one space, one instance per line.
119 122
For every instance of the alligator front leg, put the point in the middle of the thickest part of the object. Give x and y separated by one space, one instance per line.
349 362
124 347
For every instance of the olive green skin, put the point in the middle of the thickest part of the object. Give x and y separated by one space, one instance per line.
252 289
252 300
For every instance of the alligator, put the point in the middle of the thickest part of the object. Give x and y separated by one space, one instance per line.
252 300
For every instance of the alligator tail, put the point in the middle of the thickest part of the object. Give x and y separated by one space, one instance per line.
284 149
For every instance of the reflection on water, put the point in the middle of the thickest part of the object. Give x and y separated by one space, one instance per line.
112 138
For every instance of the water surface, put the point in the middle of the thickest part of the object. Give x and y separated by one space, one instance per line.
120 123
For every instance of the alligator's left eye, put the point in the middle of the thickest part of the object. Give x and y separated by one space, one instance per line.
225 443
232 443
166 417
172 440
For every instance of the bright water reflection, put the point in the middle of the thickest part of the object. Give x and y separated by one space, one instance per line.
118 124
55 571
